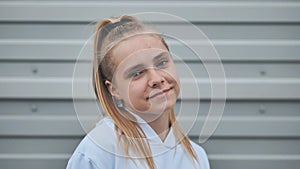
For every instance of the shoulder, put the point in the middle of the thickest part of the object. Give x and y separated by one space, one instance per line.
198 149
202 156
97 149
103 135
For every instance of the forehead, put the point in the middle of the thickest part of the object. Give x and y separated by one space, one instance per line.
137 45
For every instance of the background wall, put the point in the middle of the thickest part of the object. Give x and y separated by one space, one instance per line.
258 42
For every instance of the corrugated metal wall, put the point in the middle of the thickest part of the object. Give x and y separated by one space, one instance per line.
258 42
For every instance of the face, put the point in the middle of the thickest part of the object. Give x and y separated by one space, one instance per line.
145 78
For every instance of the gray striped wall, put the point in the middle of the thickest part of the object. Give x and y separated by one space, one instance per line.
258 42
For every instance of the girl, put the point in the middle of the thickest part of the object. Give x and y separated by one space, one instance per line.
135 81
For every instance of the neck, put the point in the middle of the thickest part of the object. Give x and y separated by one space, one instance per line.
161 125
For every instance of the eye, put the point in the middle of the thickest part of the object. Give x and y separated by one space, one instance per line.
162 63
136 74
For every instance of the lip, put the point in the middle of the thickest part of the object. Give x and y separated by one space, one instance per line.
159 93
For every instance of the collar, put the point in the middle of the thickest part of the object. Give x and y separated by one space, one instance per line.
152 136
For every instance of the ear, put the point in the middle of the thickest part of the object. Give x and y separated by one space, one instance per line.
112 89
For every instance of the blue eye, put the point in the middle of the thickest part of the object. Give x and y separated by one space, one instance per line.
135 74
162 63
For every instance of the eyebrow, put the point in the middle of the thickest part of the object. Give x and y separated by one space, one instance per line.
159 56
133 68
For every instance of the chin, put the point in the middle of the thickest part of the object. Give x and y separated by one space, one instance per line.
170 105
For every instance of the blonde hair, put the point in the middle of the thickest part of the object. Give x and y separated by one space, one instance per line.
108 33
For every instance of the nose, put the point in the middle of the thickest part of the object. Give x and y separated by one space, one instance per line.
155 78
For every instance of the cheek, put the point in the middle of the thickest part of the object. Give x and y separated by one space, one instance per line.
137 89
136 99
172 76
133 91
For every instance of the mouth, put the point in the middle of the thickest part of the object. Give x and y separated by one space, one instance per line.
162 92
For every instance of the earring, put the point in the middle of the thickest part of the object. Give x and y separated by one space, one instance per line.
118 102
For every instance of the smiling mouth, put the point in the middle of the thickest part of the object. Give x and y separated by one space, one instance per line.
159 93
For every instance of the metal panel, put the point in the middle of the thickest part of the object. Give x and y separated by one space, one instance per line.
187 69
224 153
258 43
191 10
229 50
214 31
61 88
242 108
228 126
